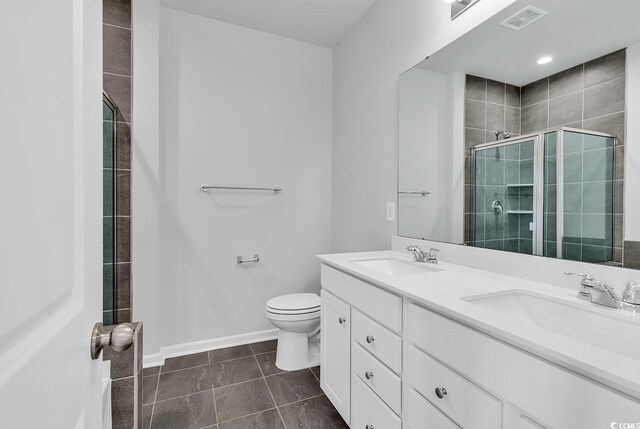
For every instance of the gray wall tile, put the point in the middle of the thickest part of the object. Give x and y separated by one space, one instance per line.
605 68
610 124
117 12
567 81
474 114
565 110
119 89
117 58
535 92
495 117
512 120
604 99
496 92
535 117
512 96
476 88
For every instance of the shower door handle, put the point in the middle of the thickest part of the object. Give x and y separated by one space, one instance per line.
119 338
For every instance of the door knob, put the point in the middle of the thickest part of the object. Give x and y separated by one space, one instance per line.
341 320
119 338
368 375
441 392
370 339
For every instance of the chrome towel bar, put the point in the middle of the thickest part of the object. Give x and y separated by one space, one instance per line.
256 258
423 193
205 188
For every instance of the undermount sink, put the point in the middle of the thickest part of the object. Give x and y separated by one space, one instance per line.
395 267
601 327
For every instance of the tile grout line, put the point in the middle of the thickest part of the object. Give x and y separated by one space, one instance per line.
269 389
155 396
213 389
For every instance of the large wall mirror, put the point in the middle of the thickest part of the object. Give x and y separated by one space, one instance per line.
524 135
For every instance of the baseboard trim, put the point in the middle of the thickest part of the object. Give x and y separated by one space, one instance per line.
157 359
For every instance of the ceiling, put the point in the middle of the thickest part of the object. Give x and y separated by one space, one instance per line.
321 22
574 31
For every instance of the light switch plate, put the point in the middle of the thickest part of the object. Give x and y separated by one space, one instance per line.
391 212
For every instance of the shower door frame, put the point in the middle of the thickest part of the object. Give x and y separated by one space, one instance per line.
538 182
114 129
538 179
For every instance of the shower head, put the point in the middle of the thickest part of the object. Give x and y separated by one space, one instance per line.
505 135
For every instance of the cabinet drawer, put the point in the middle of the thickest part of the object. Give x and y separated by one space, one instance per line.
383 306
421 414
378 340
368 411
465 403
377 376
528 382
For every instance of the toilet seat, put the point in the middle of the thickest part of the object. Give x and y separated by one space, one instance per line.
294 304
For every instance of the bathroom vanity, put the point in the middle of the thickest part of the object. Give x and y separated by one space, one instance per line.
444 346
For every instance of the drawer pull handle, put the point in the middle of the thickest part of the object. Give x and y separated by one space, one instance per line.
441 392
369 427
342 320
370 339
368 375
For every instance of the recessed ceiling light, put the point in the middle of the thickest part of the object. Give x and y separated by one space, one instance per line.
450 1
545 60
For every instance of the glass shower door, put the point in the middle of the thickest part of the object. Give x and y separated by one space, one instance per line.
506 187
584 173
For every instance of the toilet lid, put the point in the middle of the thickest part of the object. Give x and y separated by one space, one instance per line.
295 301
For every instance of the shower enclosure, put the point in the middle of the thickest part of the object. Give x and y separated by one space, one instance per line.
109 208
549 193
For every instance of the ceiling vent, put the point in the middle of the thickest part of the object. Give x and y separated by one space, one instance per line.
524 18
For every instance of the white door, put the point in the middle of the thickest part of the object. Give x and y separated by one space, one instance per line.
50 217
335 356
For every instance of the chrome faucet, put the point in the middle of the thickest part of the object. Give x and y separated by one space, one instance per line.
430 257
596 291
417 253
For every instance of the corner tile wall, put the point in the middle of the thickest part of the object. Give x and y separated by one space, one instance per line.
490 106
589 96
117 84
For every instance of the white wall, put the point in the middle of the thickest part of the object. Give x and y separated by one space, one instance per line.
391 38
238 107
431 155
424 118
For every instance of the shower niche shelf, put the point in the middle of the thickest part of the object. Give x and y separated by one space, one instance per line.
519 211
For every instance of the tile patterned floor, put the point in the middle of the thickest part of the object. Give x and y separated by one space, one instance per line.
235 388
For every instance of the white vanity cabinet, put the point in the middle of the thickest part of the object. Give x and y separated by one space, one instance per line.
335 356
365 359
389 362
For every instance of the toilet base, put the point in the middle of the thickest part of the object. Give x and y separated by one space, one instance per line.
296 351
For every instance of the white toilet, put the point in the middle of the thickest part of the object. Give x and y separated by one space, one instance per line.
298 318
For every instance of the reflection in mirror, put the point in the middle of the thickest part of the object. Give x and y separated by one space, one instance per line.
510 153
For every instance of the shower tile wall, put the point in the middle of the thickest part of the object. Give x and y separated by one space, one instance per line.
117 84
589 96
505 174
490 106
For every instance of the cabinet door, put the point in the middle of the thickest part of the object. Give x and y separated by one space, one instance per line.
335 358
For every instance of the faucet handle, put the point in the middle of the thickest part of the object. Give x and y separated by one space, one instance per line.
632 293
584 276
433 251
414 247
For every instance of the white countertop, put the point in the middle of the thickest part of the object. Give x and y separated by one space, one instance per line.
441 291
